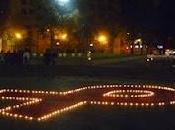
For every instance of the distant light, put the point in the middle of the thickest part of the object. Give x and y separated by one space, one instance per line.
136 46
169 52
160 46
138 41
18 35
102 39
57 43
64 36
91 45
48 30
89 59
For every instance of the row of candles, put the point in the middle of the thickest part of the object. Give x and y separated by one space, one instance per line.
27 101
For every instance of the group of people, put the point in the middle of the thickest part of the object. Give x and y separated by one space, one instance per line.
24 57
12 58
49 57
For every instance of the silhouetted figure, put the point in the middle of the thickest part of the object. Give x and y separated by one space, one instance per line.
53 57
20 57
49 57
14 58
2 57
26 57
8 58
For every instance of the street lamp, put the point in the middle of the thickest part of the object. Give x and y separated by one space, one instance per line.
48 30
102 39
64 36
58 43
18 35
138 41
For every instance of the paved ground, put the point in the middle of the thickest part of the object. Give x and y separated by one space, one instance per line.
129 70
65 77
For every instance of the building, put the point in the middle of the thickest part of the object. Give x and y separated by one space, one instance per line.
26 26
3 15
30 24
104 16
21 12
21 27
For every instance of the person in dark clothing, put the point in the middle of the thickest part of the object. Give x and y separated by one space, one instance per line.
8 58
2 57
47 57
26 57
20 57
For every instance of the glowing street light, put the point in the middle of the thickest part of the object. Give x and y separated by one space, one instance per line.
138 41
64 36
58 43
48 30
18 35
91 45
102 39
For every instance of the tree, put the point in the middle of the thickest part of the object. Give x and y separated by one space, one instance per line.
50 15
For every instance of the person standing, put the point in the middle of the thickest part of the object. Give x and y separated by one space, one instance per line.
2 59
26 57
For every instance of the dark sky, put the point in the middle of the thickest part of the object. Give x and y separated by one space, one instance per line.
152 14
143 15
3 9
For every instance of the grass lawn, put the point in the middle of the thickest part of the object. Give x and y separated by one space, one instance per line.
90 117
97 59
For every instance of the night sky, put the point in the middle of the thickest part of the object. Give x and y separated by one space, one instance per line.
3 10
156 16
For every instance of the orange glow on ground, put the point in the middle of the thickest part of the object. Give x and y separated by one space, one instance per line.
43 105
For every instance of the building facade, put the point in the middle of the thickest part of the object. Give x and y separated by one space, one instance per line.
21 28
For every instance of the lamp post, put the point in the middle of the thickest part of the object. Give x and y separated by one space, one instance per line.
64 36
102 39
18 37
103 42
138 44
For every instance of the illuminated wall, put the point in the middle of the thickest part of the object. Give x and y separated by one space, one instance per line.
0 44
